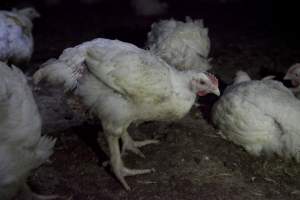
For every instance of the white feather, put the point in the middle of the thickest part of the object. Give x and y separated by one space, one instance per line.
22 148
16 41
125 69
261 116
241 76
185 45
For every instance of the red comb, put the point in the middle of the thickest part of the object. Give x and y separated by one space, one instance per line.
213 79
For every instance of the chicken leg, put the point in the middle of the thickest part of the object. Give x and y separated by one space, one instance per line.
117 164
133 146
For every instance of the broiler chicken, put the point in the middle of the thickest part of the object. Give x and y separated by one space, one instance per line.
293 74
184 45
22 148
261 116
123 84
16 41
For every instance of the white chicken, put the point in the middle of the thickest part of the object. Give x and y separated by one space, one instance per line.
293 74
261 116
122 84
22 148
16 41
184 45
149 7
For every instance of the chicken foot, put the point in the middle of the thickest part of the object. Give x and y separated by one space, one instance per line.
133 146
116 162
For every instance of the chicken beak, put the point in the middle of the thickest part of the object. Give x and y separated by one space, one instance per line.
287 77
216 91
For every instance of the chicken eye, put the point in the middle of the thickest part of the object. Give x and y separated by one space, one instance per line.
202 82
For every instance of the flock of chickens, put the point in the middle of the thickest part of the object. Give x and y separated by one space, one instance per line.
123 84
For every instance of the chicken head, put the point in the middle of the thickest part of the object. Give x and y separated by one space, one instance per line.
204 83
293 74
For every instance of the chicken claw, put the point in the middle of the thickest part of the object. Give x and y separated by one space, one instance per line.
118 167
121 172
133 146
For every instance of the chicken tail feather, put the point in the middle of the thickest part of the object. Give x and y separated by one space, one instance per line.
57 72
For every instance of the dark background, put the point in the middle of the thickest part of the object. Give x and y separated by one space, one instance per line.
74 21
78 21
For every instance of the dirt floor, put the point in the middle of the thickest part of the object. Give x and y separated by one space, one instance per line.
191 160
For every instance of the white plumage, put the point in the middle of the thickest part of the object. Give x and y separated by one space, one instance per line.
22 148
241 76
122 84
16 41
260 115
184 45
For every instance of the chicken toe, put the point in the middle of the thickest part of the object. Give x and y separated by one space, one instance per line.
133 146
121 172
118 167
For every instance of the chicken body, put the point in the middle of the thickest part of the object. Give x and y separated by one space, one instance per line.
22 148
16 41
123 84
261 116
184 45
